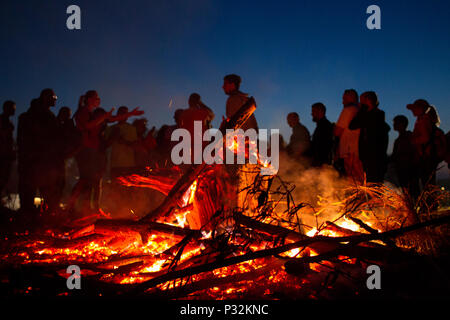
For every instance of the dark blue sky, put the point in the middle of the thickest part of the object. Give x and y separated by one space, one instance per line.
290 54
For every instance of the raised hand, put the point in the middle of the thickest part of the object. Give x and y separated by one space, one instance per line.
136 112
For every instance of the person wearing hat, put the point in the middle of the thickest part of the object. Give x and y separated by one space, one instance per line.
421 137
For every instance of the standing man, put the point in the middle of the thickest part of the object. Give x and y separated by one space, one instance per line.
404 157
374 138
300 141
348 148
322 139
39 143
236 99
7 154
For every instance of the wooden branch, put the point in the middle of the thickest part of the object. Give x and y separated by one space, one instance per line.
340 230
277 231
363 225
107 226
211 282
160 180
175 195
353 240
371 230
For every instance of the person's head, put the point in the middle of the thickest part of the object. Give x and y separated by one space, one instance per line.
293 119
48 98
34 103
318 111
400 123
91 100
141 126
177 117
419 107
9 108
434 116
231 83
122 111
98 112
194 100
369 99
64 114
350 96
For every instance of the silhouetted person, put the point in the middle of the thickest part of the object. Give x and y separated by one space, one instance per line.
7 153
404 157
447 153
197 112
163 140
145 146
104 143
122 135
322 138
373 138
438 139
27 156
348 145
300 141
89 158
236 99
39 144
67 133
422 138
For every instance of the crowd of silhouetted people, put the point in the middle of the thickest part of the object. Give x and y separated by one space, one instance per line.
105 142
356 145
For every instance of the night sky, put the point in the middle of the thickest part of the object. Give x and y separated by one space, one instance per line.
290 54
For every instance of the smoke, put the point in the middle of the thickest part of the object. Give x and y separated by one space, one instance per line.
317 187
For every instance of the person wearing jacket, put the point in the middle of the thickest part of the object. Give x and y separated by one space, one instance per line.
373 139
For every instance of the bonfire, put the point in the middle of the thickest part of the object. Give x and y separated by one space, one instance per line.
211 239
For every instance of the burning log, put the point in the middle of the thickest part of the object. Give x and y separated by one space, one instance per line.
340 230
175 195
210 282
353 241
123 226
280 232
161 180
371 230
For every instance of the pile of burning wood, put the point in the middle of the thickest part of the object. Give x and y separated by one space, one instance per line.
198 245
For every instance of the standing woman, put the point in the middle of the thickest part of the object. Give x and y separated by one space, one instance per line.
89 157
